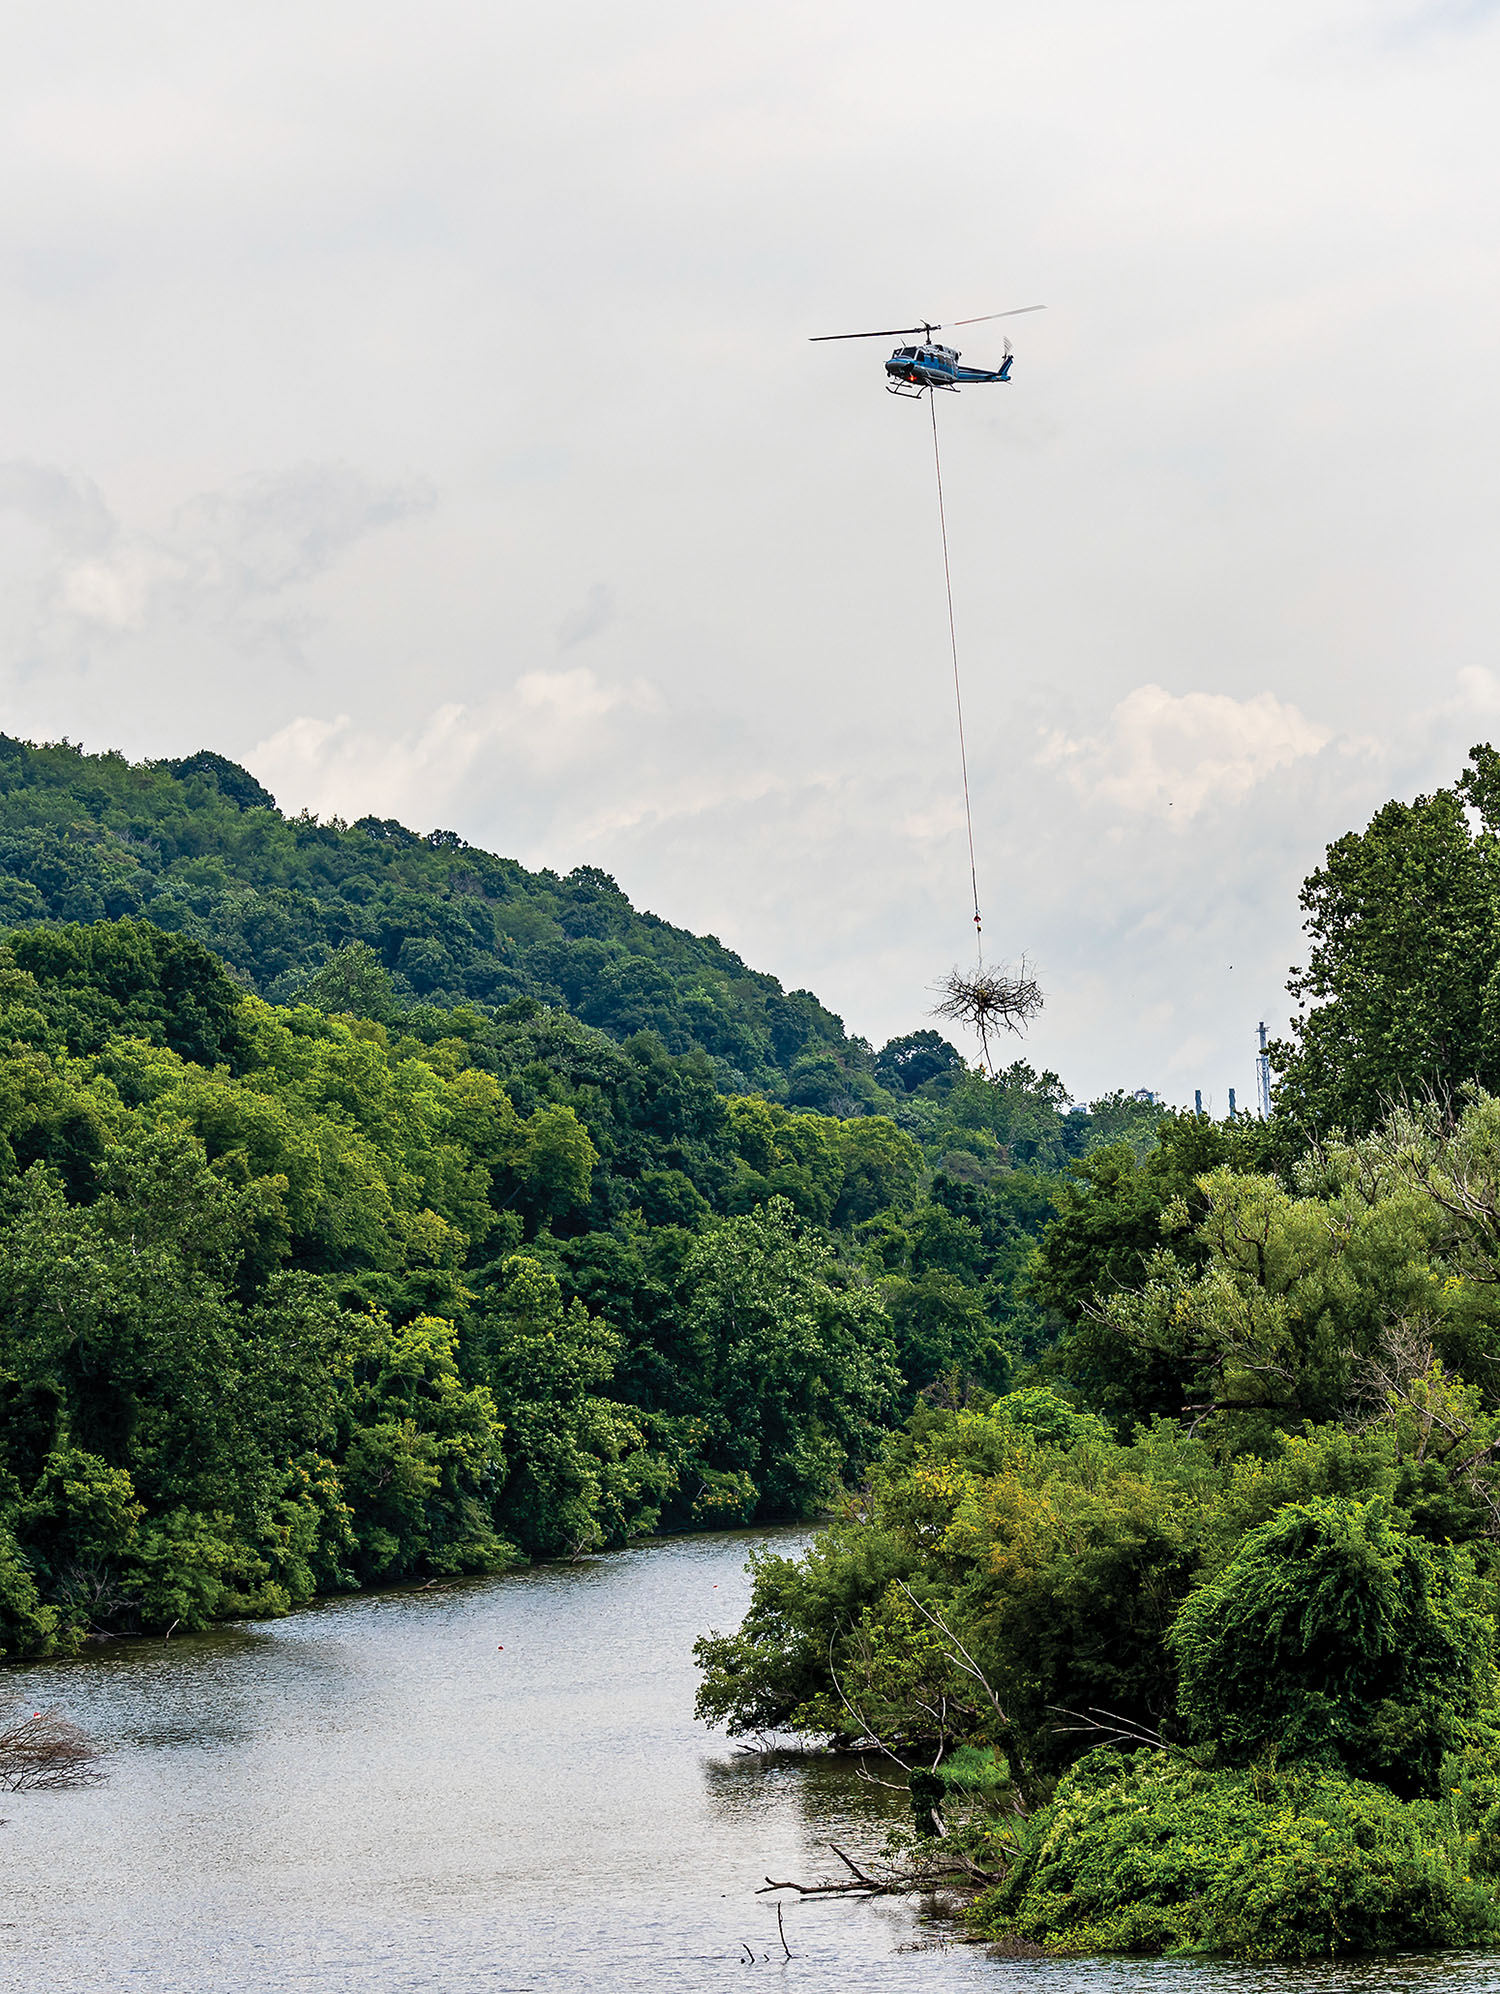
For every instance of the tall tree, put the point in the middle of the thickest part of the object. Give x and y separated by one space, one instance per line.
1402 972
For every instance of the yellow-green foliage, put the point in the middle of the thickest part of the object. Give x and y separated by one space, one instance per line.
378 1158
1278 1306
1057 1555
839 1171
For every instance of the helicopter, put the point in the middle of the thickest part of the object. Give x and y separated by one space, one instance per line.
911 369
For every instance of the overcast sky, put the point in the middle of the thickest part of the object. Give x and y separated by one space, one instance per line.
415 404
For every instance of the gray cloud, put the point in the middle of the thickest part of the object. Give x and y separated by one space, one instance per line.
70 510
588 619
268 533
221 567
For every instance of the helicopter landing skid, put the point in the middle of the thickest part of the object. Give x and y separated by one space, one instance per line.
916 394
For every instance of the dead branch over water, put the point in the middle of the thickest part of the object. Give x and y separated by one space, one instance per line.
953 1870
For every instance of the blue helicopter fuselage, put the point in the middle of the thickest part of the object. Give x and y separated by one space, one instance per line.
930 366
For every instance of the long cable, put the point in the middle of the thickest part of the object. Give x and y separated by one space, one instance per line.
958 697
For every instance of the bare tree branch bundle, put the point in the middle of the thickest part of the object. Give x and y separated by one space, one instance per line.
990 997
46 1750
989 1000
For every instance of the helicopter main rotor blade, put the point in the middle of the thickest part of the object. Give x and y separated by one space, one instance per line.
891 332
1014 312
926 328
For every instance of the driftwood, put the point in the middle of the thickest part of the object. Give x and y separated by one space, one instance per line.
46 1750
763 1959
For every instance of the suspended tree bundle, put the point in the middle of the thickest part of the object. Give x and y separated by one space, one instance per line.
989 1001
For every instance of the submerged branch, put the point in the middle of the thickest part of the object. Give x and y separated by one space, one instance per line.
46 1750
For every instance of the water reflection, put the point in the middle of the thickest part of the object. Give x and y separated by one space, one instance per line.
495 1784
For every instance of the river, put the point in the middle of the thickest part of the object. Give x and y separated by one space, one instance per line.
496 1786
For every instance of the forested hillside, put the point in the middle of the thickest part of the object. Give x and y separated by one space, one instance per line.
373 1284
199 847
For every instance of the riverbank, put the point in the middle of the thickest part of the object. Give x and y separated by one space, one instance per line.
495 1786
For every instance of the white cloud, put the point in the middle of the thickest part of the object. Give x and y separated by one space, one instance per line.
1177 754
573 697
546 725
1477 695
338 769
225 565
113 590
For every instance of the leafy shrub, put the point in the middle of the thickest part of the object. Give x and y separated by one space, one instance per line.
1148 1853
1332 1635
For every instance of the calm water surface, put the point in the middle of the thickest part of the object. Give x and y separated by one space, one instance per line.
376 1795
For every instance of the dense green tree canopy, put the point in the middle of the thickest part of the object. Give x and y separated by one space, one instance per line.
1149 1853
370 1207
295 1297
199 847
264 1328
